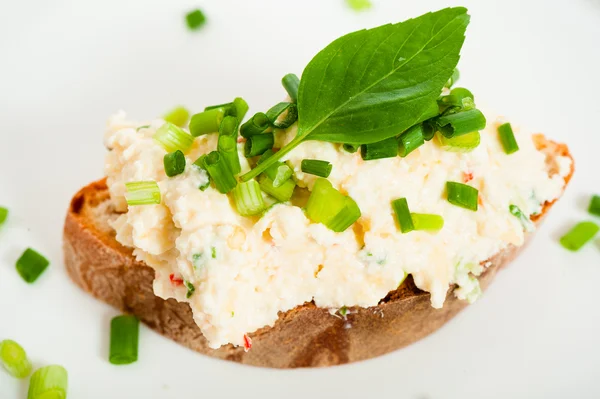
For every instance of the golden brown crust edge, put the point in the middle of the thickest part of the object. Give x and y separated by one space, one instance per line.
306 336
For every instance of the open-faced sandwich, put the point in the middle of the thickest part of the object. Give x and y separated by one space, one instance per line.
350 220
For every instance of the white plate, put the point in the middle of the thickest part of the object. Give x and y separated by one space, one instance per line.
65 66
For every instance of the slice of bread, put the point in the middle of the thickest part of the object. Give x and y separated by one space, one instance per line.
306 336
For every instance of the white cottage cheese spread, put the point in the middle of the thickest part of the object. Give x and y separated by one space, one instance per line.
247 270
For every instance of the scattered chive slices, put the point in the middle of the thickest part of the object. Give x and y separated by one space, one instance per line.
583 232
195 19
49 382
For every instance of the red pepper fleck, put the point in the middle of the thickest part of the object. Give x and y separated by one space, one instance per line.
467 177
175 281
480 199
247 343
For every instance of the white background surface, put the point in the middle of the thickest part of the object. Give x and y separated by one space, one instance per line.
65 66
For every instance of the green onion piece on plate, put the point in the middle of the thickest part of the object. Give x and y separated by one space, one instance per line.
453 79
403 216
328 206
594 207
173 138
282 193
207 121
48 382
507 138
316 167
195 19
14 359
427 222
579 235
462 195
220 173
248 198
124 337
31 265
142 193
227 147
289 111
178 116
227 108
359 5
351 148
174 163
258 144
460 123
410 140
258 124
465 143
3 215
518 213
387 148
291 83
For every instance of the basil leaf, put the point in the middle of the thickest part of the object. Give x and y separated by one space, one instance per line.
373 84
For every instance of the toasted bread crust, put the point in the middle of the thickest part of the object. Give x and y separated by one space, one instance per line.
306 336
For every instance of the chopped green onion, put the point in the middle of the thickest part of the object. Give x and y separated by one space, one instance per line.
14 359
403 216
31 265
227 147
345 217
241 107
594 207
229 126
462 195
258 144
343 311
248 198
218 169
453 79
465 143
579 235
457 98
178 116
525 221
428 222
195 19
48 382
279 172
283 193
226 107
3 215
124 337
351 148
174 163
410 140
387 148
142 127
258 124
461 123
328 206
507 138
200 164
359 5
213 252
206 122
190 289
429 129
173 138
142 193
316 167
291 115
291 83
